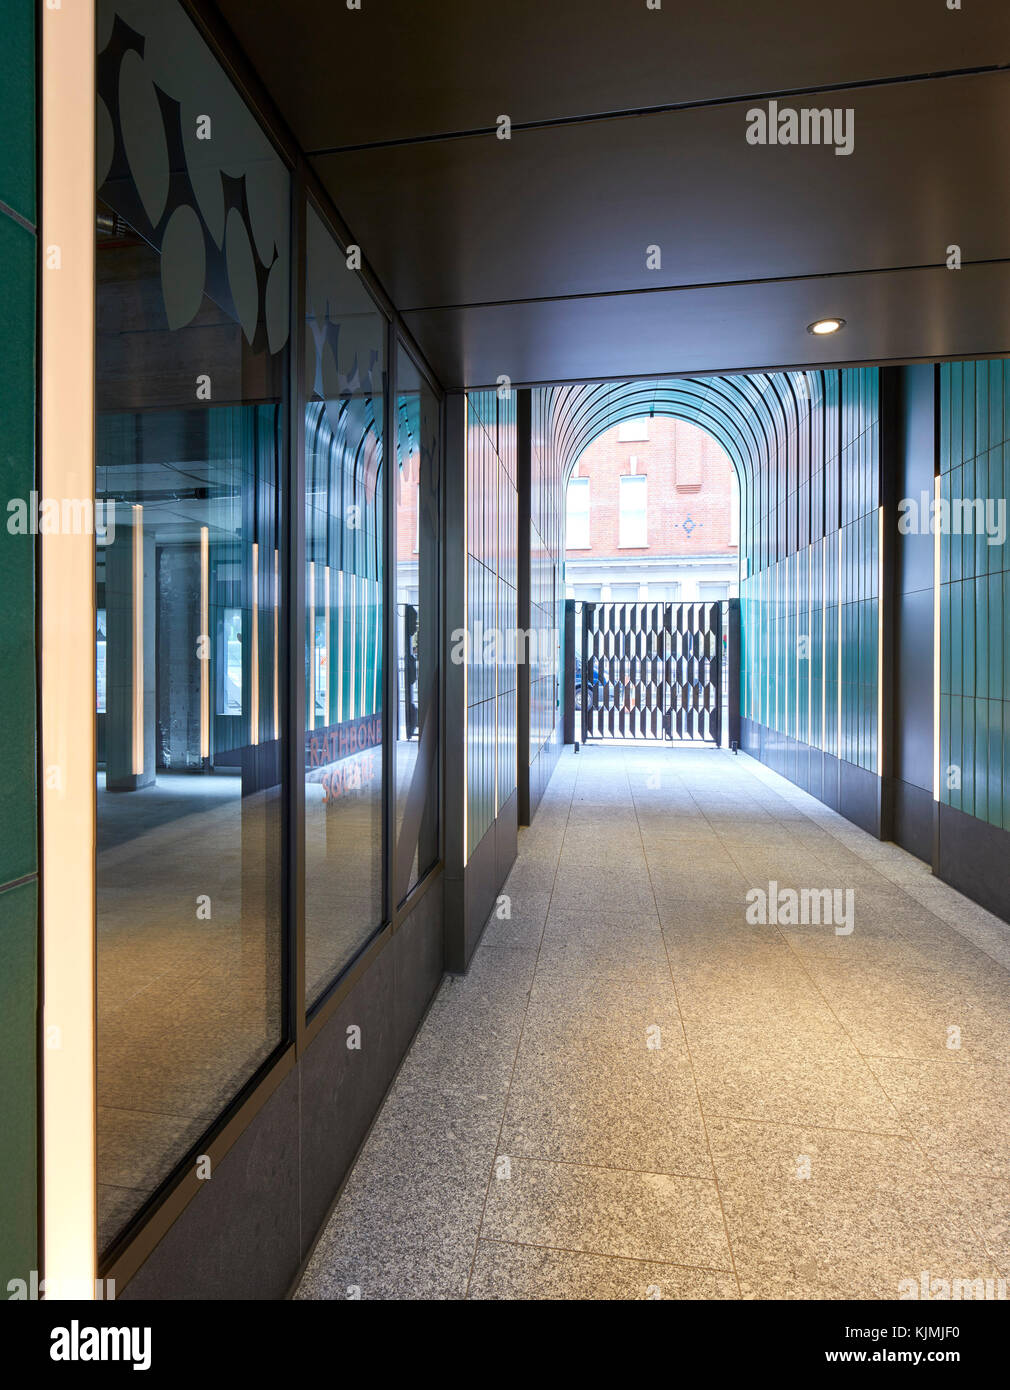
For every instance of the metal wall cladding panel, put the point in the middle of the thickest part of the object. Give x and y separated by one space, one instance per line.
492 576
974 439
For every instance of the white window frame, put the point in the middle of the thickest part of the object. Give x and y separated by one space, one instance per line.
634 523
574 538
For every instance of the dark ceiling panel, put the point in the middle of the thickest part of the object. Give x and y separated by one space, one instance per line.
399 69
756 241
922 314
571 209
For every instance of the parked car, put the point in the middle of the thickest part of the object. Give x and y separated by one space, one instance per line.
594 676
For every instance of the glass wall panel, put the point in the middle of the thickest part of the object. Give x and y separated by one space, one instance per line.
417 626
192 340
345 386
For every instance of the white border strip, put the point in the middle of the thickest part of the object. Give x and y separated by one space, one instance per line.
67 600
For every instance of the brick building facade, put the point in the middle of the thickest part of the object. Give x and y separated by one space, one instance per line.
653 513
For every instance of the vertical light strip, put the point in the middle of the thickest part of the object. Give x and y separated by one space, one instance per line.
839 748
340 646
137 598
377 647
766 606
466 626
277 681
363 664
499 500
354 633
67 656
204 642
312 644
254 656
326 648
880 641
796 604
370 619
810 649
936 637
824 643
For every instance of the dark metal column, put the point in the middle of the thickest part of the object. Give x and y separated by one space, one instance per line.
454 743
733 672
587 612
390 682
569 688
292 637
890 437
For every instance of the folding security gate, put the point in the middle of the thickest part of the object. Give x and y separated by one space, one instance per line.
652 671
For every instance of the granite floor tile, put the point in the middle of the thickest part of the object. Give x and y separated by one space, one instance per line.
524 1272
859 1211
603 1211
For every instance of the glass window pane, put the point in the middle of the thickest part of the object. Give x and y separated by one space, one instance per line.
632 514
344 481
577 519
192 339
417 627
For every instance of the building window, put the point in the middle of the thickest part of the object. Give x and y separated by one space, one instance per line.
577 522
634 530
633 431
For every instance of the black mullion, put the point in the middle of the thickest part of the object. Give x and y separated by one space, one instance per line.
293 570
387 500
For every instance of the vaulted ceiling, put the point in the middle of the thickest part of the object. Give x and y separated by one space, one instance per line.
530 256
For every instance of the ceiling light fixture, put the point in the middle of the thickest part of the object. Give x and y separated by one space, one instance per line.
824 326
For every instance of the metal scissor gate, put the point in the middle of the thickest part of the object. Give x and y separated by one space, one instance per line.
652 671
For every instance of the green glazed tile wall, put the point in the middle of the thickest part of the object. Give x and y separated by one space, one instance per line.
17 110
814 511
18 849
975 592
18 1190
17 560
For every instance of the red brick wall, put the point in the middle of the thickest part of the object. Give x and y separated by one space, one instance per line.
406 512
689 480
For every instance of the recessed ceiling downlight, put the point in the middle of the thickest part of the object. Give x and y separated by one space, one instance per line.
825 326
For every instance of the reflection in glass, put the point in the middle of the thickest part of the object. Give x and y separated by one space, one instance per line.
100 662
417 628
192 329
345 367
